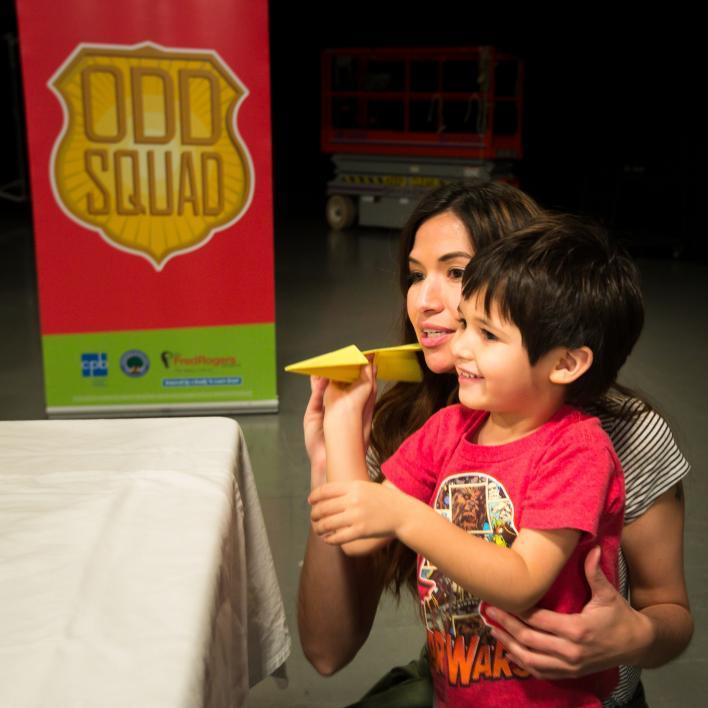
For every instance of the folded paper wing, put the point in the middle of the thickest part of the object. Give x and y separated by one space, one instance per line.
397 363
392 364
340 365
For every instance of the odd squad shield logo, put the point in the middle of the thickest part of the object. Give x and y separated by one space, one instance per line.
149 155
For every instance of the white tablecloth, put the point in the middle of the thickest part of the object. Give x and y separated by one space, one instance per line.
135 570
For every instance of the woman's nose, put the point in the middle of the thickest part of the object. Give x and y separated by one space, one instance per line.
429 295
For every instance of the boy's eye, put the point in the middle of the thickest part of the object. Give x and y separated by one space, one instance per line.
489 336
461 323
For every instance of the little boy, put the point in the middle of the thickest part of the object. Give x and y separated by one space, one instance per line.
503 496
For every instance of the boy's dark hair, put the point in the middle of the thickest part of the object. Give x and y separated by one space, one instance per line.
563 284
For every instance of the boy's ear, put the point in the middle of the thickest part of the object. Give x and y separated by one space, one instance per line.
571 365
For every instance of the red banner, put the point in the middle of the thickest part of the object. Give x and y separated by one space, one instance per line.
150 160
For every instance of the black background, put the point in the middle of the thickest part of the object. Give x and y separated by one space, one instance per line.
614 122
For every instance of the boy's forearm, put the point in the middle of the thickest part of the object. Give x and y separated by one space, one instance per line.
344 443
346 460
496 574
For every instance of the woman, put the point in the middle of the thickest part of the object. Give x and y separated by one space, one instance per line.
339 595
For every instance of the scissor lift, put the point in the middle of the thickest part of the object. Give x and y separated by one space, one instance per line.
399 122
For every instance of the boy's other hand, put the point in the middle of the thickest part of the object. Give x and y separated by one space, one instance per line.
348 511
351 399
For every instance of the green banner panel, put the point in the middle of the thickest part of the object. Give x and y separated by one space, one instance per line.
200 368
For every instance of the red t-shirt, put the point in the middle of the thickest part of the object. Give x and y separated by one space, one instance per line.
563 475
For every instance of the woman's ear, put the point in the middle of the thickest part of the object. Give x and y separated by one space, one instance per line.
571 365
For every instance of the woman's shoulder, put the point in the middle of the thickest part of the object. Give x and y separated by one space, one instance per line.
631 423
651 458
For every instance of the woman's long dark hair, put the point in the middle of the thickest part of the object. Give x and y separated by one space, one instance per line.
488 211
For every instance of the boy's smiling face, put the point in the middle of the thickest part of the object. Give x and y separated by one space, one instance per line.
493 366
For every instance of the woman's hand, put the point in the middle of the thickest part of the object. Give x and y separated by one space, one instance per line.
608 631
551 645
312 424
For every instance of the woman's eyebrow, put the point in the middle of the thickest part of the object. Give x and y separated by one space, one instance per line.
454 255
445 257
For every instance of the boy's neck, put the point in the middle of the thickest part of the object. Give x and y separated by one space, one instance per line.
502 428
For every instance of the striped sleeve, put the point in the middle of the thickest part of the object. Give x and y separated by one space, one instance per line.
652 464
373 465
651 459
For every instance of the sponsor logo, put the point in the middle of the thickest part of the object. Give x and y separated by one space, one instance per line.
173 360
134 363
150 156
94 365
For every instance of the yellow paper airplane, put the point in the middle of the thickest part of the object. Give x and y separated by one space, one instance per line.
397 363
392 364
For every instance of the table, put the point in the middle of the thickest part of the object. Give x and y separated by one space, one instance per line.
135 569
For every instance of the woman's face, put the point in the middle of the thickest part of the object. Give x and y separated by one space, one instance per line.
441 250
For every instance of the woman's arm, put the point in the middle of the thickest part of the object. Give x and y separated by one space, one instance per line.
653 548
656 628
338 595
337 603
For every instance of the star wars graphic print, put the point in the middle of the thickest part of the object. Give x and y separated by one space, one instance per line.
459 641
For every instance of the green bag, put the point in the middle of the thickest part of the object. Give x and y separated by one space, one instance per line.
408 686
